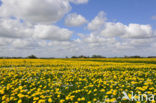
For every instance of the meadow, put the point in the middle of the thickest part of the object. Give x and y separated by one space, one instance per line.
91 80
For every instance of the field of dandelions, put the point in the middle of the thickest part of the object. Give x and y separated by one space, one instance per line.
76 80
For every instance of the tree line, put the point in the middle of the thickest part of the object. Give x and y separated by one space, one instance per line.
81 56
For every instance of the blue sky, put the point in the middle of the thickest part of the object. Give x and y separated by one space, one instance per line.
125 11
77 27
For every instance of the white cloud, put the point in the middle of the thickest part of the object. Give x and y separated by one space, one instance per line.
97 22
141 43
79 1
75 20
40 38
64 44
99 41
89 45
35 11
14 29
113 29
10 28
134 44
23 43
127 31
99 26
5 41
138 31
51 32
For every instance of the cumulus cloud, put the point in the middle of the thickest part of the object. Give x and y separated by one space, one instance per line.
75 19
97 22
35 11
5 41
97 41
37 34
10 28
138 31
79 1
127 31
100 26
113 29
140 43
51 32
24 43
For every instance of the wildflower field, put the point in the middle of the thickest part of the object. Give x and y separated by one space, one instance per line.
77 80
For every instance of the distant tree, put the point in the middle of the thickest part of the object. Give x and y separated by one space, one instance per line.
97 56
74 57
82 56
32 57
135 56
125 56
151 56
